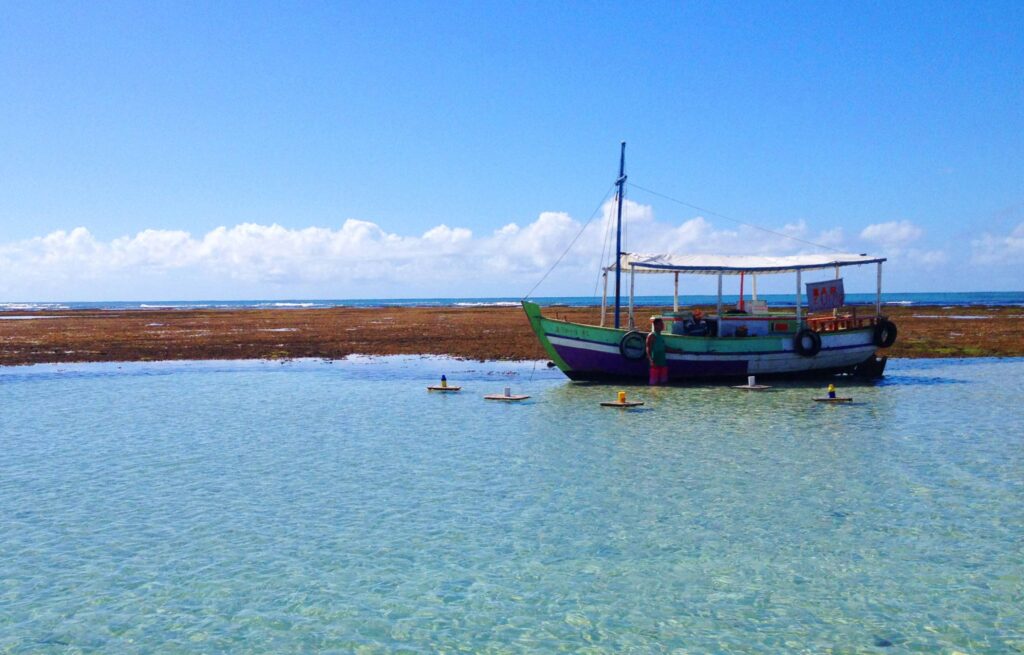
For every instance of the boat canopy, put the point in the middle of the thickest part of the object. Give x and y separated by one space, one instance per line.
737 264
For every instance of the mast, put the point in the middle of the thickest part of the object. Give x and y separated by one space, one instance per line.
618 232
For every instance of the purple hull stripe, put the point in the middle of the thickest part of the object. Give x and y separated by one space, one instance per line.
590 361
712 354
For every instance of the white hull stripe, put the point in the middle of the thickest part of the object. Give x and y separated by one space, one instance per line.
777 361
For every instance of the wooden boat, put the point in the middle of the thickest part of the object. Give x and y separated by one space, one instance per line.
728 343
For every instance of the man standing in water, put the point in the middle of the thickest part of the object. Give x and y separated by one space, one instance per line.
656 352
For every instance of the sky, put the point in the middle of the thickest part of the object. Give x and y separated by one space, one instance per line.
248 150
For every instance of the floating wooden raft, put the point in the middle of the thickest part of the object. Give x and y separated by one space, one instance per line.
833 400
501 396
752 385
437 388
627 403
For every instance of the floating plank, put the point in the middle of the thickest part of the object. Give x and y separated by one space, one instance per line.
436 388
501 396
752 385
833 400
628 403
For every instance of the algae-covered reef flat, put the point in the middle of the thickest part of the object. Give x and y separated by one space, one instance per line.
494 333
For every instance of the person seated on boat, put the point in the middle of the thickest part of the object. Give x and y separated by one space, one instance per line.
656 352
696 327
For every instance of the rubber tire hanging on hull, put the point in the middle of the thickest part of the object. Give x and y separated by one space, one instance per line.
885 333
633 345
803 349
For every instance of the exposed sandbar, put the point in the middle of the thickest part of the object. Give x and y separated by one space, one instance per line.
483 333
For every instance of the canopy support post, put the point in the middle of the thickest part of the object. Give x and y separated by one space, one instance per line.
632 285
719 310
675 294
878 293
604 298
799 301
741 292
753 283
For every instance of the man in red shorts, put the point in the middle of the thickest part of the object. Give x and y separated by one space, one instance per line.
656 352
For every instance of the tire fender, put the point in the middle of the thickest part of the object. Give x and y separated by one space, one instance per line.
807 343
885 333
633 345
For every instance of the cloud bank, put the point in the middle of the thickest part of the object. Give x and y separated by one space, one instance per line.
999 250
362 259
894 239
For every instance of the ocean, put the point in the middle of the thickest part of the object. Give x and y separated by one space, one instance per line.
946 299
338 507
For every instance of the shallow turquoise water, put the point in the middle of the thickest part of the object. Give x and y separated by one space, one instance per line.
318 507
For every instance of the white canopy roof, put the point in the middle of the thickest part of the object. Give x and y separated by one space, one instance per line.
736 264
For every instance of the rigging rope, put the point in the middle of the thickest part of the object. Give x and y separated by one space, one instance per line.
734 220
571 243
624 226
604 251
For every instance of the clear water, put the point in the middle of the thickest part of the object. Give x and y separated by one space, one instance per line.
317 507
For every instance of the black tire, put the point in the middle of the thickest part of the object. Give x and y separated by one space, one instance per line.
633 345
885 333
807 343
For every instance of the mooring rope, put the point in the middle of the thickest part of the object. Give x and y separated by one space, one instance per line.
605 249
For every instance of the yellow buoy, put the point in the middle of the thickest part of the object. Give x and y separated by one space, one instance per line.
622 402
832 398
443 386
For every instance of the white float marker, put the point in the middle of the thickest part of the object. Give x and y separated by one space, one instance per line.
752 385
507 396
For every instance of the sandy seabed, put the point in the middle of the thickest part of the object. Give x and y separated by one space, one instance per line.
482 333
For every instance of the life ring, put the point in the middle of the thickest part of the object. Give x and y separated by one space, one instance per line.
633 345
803 348
885 333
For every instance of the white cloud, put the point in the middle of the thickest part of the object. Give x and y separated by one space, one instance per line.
894 234
361 258
993 249
894 238
927 258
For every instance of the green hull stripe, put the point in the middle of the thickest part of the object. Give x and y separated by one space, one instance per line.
533 313
678 343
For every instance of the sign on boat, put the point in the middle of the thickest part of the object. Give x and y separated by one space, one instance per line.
825 337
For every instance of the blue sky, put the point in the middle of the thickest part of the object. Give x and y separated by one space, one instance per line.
186 150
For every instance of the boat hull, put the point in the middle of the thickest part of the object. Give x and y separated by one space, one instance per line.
587 352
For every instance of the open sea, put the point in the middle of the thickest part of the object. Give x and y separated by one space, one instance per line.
950 299
338 507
